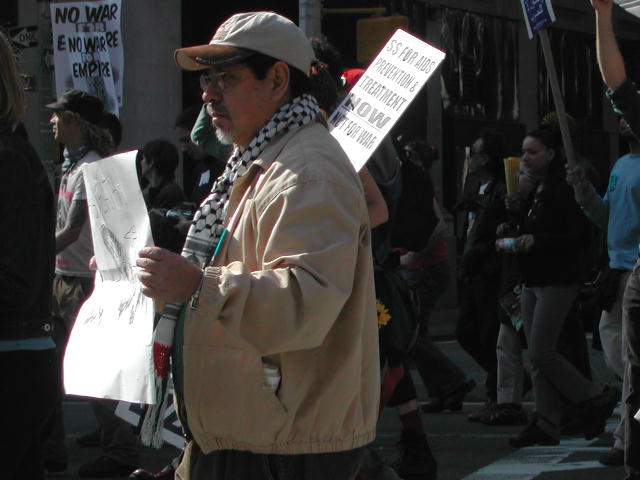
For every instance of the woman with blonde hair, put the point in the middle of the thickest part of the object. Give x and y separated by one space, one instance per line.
27 219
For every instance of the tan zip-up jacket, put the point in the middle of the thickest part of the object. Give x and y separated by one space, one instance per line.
293 287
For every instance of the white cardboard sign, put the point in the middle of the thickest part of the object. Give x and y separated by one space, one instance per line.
87 49
382 94
109 354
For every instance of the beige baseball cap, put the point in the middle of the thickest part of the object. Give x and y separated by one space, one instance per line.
244 34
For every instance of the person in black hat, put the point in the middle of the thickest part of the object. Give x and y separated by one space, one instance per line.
76 121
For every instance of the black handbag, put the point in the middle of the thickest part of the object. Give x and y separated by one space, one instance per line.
397 319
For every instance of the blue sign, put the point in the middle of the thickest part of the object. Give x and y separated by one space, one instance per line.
537 14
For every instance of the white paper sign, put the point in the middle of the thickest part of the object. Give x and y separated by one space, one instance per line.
87 49
382 94
109 354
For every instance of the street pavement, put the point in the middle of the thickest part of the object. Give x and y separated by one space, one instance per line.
464 451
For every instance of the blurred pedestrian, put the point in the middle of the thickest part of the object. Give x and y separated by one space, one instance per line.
158 163
626 99
618 214
27 221
203 160
480 265
77 124
428 276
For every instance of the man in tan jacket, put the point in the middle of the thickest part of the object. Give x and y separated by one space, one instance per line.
275 358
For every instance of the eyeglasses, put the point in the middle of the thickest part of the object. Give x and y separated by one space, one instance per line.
478 155
223 79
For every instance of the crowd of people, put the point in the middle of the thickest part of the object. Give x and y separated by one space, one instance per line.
274 259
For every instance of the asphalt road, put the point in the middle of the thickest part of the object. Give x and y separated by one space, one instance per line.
464 451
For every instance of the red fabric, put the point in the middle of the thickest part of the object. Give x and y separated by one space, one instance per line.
161 355
352 76
392 376
436 254
412 422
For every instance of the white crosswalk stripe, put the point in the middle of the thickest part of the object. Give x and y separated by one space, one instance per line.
528 463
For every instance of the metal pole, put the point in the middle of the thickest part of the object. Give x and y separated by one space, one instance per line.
559 101
311 17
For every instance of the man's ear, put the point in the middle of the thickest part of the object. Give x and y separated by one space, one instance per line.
280 77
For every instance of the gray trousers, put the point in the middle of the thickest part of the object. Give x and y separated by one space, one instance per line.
631 330
244 465
613 346
440 374
117 437
555 380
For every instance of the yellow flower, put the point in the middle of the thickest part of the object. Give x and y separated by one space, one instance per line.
383 314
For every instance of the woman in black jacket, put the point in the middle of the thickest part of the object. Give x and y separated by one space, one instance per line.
553 236
480 266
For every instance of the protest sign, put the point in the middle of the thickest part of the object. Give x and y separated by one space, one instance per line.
382 94
109 354
537 15
134 413
87 49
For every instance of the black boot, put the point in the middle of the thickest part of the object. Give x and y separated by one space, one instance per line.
416 461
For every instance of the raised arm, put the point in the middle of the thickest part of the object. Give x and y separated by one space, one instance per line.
609 57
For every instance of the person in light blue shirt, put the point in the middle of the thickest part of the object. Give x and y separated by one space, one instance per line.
617 213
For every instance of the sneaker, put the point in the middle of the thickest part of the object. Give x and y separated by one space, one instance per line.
506 414
105 467
572 425
532 435
416 461
614 457
91 439
375 467
167 473
452 401
485 411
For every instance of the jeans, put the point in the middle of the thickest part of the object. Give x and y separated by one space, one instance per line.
478 326
242 465
69 293
440 374
29 390
613 346
555 379
117 438
631 329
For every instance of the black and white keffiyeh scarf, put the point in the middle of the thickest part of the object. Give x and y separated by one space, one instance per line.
204 236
